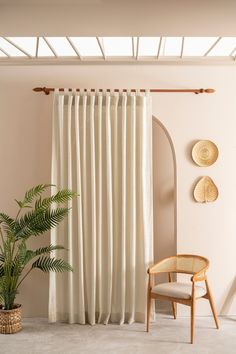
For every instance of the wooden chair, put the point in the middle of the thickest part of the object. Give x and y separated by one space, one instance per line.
178 292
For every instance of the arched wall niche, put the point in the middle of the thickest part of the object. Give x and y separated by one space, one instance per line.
164 193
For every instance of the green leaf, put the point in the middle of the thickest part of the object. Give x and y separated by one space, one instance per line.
48 249
20 204
18 263
38 221
8 223
47 264
60 197
33 193
30 254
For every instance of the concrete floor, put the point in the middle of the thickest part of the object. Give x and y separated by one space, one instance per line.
167 336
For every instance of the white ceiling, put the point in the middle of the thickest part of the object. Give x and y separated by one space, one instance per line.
117 18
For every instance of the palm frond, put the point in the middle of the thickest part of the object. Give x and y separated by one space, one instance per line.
8 223
31 254
31 194
60 197
37 222
47 264
48 249
18 262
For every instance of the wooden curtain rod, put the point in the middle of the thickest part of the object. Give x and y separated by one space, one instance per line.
47 90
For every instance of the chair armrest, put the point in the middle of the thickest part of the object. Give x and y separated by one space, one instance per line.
200 276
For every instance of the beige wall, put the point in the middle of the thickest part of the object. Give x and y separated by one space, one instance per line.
210 230
117 18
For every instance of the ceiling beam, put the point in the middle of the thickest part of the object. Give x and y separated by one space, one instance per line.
101 46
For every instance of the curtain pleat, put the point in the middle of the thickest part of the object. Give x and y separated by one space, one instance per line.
102 150
99 208
77 214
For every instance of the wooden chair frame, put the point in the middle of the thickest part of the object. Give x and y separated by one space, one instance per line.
196 277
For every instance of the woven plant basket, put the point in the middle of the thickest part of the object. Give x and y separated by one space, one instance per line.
10 320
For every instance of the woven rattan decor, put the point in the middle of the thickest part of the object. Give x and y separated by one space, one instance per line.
204 153
10 320
205 190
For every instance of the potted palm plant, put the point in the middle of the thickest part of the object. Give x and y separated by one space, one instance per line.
35 216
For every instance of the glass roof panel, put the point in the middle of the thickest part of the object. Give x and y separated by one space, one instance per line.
10 49
197 46
43 49
224 47
148 46
87 46
2 54
171 46
61 46
26 43
117 46
194 47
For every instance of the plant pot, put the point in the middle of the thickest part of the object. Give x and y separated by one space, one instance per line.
10 320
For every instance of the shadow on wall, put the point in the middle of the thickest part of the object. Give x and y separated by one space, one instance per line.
164 200
164 192
229 299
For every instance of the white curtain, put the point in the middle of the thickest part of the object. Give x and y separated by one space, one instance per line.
102 149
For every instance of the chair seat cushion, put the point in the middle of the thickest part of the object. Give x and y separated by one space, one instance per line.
178 290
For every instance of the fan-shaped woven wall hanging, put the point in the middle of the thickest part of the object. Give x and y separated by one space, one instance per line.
205 153
205 190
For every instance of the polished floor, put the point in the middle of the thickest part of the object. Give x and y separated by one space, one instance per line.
167 336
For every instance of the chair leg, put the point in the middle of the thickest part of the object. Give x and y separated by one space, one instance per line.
174 309
210 298
192 320
148 311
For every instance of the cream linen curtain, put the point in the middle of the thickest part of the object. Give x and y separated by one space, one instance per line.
102 149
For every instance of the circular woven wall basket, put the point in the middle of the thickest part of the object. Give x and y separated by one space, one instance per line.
205 153
10 320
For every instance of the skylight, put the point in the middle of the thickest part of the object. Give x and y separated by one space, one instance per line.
171 46
28 44
117 46
2 54
87 46
197 46
226 46
148 46
61 46
104 49
43 49
10 49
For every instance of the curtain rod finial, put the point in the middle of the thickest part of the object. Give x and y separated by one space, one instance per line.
42 89
210 90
